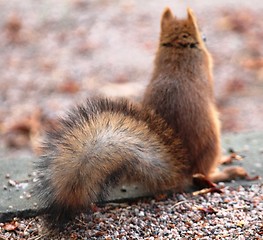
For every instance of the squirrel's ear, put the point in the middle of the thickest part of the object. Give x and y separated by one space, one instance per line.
191 17
167 17
193 23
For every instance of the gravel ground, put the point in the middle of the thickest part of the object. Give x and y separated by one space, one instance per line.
233 214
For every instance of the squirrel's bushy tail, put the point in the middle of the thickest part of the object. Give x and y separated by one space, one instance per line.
98 144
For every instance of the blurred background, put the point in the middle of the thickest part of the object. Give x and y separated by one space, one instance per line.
54 54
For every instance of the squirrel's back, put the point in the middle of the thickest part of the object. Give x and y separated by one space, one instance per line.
100 143
181 90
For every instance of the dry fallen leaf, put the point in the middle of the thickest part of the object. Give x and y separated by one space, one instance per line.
81 4
256 63
207 190
231 157
235 85
13 26
206 210
73 236
238 21
18 135
11 226
28 130
160 197
100 234
13 23
69 86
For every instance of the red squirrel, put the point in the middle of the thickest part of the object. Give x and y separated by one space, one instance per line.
160 143
181 91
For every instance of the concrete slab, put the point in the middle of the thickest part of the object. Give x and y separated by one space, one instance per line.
17 176
250 147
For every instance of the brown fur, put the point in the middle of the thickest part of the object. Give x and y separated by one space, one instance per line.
181 90
98 145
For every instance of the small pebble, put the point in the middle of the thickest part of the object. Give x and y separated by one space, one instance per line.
11 182
221 184
141 214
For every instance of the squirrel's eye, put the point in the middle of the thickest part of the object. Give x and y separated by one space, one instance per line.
204 37
184 36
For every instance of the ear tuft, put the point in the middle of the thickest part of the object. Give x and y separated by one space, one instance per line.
167 14
167 17
193 23
191 17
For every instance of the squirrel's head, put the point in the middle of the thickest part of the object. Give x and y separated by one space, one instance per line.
180 33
